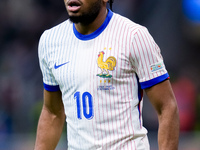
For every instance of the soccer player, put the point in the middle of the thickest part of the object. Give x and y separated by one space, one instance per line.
95 67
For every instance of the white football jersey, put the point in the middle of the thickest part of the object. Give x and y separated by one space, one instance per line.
101 77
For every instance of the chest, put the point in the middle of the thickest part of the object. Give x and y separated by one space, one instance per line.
80 64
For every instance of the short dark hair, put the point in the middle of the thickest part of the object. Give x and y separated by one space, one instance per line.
111 2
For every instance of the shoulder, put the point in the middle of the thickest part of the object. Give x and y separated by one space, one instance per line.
126 29
57 29
52 35
127 24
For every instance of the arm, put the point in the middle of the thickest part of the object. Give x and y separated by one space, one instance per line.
163 100
51 121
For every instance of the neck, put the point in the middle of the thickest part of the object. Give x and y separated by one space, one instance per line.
90 28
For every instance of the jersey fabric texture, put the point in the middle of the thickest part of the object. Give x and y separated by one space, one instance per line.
101 77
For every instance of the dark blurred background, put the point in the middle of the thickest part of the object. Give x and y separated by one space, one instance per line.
174 24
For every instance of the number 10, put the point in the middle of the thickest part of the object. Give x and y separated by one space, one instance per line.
87 105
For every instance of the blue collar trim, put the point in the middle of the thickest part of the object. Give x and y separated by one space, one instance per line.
95 33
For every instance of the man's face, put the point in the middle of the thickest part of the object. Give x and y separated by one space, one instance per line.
83 11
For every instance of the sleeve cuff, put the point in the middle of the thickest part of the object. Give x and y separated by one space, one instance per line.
51 88
154 81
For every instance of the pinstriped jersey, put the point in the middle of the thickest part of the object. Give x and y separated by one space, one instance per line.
101 77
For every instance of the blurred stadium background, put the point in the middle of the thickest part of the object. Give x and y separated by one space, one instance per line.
174 24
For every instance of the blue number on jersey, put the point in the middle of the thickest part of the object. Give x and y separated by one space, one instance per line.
87 105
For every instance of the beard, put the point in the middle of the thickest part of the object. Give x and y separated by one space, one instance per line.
89 15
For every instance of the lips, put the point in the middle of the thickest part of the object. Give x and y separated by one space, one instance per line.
73 5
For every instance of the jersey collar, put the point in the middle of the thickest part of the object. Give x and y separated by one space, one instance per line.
95 33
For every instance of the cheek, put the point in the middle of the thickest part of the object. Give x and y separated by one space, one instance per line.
65 2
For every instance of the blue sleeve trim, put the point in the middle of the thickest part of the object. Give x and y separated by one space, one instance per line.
51 88
154 81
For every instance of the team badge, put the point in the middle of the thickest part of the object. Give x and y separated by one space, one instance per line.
105 66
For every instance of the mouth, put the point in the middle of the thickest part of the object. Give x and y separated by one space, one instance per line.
73 5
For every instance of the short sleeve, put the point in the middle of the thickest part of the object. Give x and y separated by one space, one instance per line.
49 81
146 59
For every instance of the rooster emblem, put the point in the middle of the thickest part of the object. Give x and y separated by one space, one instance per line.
109 64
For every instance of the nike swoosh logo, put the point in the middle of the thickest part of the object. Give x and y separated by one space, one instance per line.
58 66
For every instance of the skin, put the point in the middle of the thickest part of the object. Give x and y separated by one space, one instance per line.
51 121
162 98
85 8
52 117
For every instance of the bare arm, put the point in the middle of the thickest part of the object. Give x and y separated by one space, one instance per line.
163 100
51 121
